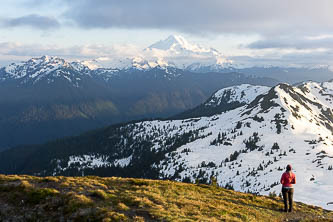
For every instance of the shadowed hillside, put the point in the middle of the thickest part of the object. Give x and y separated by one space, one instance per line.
48 98
27 198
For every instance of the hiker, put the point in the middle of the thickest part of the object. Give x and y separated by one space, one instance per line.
287 180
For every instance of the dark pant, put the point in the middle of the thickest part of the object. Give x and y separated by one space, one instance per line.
288 194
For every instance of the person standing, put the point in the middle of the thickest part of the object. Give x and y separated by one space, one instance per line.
288 178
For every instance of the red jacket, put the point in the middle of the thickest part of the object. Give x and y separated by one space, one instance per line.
288 179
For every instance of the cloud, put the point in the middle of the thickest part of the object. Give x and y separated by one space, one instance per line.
32 20
39 3
79 51
267 17
16 51
293 42
292 58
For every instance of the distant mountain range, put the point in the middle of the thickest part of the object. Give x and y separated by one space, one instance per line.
46 98
176 52
242 135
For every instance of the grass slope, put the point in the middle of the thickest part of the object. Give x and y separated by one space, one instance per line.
28 198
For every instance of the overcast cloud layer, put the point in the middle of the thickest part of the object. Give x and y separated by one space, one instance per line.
219 16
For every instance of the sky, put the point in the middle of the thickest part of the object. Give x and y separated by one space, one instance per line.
257 32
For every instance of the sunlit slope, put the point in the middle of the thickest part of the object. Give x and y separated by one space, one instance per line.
114 199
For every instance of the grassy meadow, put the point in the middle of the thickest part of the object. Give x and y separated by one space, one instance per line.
90 198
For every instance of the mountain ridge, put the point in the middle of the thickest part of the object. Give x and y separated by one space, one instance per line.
43 93
246 147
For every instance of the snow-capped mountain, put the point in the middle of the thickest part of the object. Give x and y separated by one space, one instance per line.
245 148
176 44
178 52
45 68
174 51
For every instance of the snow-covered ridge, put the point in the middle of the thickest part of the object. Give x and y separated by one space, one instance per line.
244 94
249 147
51 68
46 68
36 66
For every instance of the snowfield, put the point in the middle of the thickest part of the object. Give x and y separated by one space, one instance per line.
305 140
244 93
